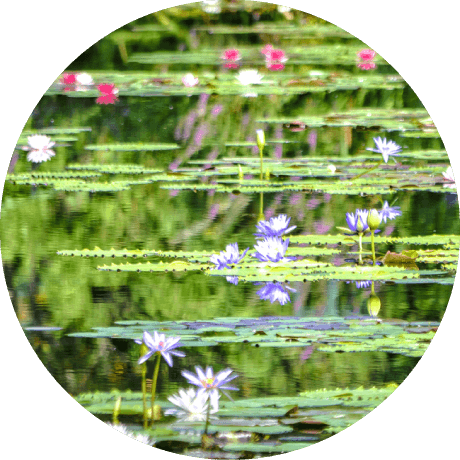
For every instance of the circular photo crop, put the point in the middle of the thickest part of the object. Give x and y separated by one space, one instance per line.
230 229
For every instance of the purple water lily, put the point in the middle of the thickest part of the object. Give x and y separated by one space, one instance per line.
276 226
275 292
229 257
389 212
210 383
357 222
159 343
386 148
232 279
272 249
363 284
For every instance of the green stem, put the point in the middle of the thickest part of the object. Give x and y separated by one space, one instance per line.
144 393
367 171
373 247
154 382
360 248
207 418
261 207
261 152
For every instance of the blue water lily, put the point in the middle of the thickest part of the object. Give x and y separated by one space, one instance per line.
272 249
276 226
229 257
211 384
389 212
386 148
357 222
159 343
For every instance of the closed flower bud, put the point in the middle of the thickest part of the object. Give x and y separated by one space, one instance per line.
260 139
360 225
373 305
374 219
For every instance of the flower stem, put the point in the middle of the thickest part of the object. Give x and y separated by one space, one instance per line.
360 248
367 171
154 383
261 207
207 418
373 247
261 152
144 393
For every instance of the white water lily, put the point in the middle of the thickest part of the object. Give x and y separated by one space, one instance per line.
249 77
449 177
189 80
193 404
39 148
83 81
138 437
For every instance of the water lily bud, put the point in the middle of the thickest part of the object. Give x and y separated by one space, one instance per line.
240 173
374 219
260 139
332 169
360 225
373 305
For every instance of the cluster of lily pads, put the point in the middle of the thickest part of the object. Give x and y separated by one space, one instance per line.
194 404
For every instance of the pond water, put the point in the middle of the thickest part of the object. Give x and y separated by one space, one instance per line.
199 190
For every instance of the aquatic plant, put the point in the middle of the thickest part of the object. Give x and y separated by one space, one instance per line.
229 257
357 222
189 80
363 284
39 148
108 94
211 384
274 58
449 177
276 226
194 405
249 77
272 249
231 56
366 54
124 430
83 81
275 292
366 65
157 345
373 221
386 148
162 345
389 212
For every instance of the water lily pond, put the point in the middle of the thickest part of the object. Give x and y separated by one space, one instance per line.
230 229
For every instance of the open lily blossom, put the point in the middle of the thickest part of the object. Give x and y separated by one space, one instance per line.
357 222
39 148
108 94
249 77
276 226
229 257
386 148
159 343
232 279
449 174
137 436
210 383
389 212
367 54
272 249
363 284
84 81
189 80
231 58
274 58
193 404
